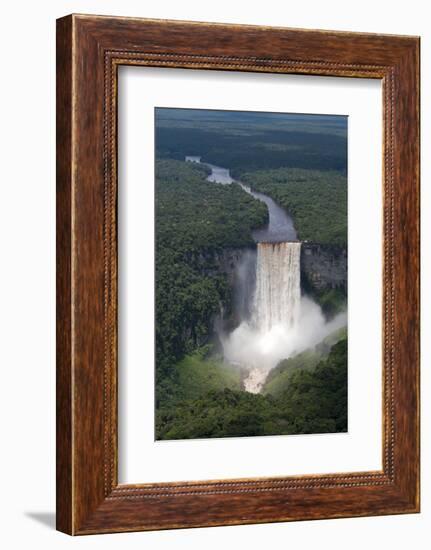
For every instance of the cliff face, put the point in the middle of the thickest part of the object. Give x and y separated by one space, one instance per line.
230 261
239 267
323 267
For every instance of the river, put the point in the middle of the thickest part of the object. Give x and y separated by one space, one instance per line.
280 227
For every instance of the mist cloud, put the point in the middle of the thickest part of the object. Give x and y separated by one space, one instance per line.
259 351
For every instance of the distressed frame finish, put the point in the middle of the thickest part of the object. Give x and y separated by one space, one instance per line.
89 51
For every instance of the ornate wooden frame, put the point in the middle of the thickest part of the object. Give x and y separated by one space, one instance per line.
89 51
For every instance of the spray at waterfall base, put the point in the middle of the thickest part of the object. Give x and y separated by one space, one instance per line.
282 322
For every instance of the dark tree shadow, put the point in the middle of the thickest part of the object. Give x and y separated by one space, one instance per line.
45 518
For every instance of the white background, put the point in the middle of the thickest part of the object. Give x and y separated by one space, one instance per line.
27 273
141 458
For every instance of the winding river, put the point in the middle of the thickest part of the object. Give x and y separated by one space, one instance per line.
280 227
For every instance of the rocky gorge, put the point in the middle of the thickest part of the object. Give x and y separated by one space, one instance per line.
323 270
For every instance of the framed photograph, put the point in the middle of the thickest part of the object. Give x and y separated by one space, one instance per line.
237 274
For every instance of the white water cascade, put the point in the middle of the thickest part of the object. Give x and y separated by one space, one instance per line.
276 302
278 285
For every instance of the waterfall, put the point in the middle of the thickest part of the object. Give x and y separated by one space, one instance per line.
278 285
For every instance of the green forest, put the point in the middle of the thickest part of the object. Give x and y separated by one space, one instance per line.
193 219
299 161
250 141
316 199
302 164
312 399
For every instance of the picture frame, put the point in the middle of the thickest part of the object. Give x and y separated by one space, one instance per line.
89 51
